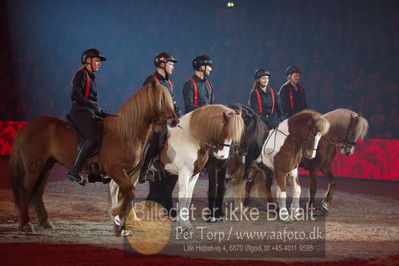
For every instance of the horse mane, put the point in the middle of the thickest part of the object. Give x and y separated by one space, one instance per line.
255 128
340 118
209 123
146 104
308 117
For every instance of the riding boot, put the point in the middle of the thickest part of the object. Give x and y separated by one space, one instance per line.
150 150
81 157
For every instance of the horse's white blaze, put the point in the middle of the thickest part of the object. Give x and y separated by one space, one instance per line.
224 153
316 143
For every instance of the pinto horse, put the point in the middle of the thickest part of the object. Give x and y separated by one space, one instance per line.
295 137
209 129
346 127
250 147
47 140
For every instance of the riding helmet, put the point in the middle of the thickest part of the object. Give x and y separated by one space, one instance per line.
260 72
202 60
163 57
293 69
90 53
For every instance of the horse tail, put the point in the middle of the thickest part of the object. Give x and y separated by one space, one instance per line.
16 169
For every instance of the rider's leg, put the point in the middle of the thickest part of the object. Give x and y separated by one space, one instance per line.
151 149
81 157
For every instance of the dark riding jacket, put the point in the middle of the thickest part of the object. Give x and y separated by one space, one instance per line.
292 101
205 93
167 82
84 105
266 105
80 98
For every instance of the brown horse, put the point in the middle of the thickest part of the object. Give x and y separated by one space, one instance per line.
47 140
295 137
346 128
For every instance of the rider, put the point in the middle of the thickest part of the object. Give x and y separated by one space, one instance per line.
198 91
85 113
164 63
292 95
263 99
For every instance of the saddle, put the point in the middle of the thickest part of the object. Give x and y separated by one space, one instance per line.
94 169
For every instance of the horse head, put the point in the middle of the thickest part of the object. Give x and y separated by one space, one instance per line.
357 128
233 127
306 128
347 127
218 127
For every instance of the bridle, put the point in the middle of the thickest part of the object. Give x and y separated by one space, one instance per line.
303 145
346 142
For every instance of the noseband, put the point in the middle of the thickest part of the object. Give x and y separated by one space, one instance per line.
346 142
305 143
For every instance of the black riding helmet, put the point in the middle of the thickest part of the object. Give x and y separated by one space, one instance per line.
163 57
293 69
260 72
90 53
202 60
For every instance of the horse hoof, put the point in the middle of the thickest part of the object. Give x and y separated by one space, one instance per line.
27 227
284 215
325 207
212 220
185 227
118 230
126 233
47 225
317 213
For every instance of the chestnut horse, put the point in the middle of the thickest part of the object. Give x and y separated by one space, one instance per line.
47 140
295 137
346 127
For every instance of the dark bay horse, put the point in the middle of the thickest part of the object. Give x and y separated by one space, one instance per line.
47 140
346 127
250 147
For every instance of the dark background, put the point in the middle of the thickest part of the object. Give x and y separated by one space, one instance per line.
348 51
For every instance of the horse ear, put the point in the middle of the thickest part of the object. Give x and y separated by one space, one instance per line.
154 83
238 111
226 116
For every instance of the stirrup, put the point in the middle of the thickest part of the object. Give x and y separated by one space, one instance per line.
81 181
99 178
148 175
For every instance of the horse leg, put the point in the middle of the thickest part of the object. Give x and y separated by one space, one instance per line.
41 212
212 191
32 169
248 187
281 194
327 200
124 200
220 193
296 191
268 181
184 201
312 187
